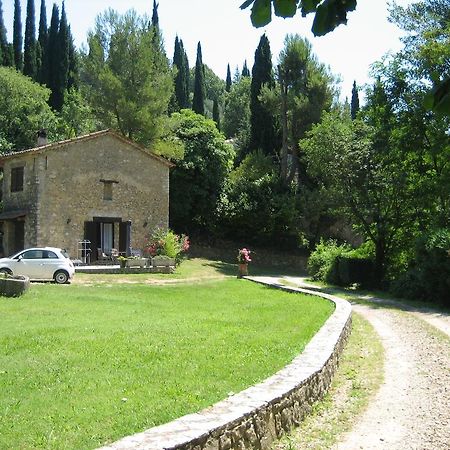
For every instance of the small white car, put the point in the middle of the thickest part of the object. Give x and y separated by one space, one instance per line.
48 263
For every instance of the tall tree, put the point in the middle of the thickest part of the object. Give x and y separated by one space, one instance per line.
61 63
228 79
128 83
3 38
245 70
354 105
73 73
262 126
306 90
198 102
155 17
17 36
41 51
29 54
51 53
180 62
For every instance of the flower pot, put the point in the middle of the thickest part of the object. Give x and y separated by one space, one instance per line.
162 261
243 270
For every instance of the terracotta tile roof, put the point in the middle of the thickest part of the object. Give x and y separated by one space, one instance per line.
86 137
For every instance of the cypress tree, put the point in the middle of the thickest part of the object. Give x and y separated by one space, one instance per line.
198 102
72 76
245 70
216 113
354 106
17 36
181 82
41 48
262 128
29 54
50 55
155 18
186 78
3 39
228 79
61 64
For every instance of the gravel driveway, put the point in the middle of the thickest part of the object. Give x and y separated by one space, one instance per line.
412 408
411 411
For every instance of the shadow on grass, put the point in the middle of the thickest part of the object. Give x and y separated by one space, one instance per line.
380 299
230 269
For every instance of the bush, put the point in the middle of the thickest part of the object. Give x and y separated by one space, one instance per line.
340 264
428 275
166 243
321 263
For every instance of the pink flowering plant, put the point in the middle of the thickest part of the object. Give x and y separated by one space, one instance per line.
164 242
244 256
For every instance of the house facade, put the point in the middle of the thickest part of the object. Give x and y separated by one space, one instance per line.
101 188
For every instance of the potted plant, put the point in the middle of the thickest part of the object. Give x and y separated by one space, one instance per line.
243 260
122 261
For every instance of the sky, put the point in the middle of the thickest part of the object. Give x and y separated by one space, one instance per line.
227 36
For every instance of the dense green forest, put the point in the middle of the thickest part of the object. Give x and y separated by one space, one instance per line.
268 155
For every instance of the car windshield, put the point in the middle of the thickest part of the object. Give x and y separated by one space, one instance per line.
64 253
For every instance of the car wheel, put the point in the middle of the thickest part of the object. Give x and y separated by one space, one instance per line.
6 270
61 277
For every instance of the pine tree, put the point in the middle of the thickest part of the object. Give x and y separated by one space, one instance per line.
216 113
41 49
245 70
29 54
3 39
17 36
228 80
262 128
354 107
198 102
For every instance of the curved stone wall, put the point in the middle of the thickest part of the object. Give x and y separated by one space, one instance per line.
255 417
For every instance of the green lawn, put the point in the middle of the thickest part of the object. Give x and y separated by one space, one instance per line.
82 364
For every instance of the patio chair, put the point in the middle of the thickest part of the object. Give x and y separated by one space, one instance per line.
102 256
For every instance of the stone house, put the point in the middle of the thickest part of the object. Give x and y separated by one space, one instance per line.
101 188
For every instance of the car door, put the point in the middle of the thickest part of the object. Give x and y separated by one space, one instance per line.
28 264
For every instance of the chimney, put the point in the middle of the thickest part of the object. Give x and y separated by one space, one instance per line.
42 138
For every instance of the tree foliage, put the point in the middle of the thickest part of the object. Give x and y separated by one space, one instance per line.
263 133
17 36
198 102
29 55
305 91
197 181
327 14
23 111
129 84
182 75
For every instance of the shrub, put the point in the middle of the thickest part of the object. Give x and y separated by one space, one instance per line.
340 264
321 263
428 275
166 243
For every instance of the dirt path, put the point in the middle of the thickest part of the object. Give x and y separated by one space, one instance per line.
412 408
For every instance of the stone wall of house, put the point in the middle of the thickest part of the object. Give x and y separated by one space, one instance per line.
25 200
71 191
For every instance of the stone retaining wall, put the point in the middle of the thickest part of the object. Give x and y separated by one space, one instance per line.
255 417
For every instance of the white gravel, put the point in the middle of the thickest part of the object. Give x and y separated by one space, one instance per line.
411 411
